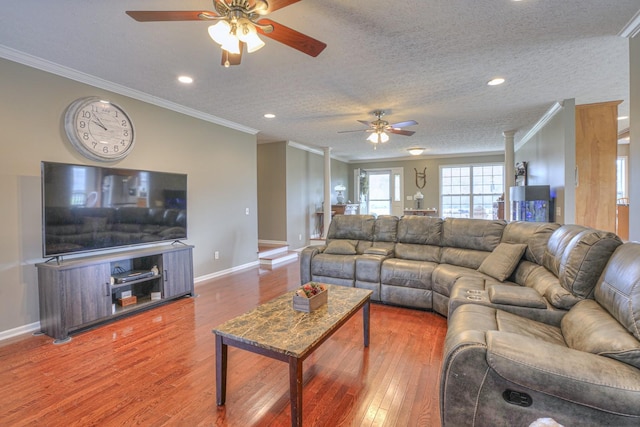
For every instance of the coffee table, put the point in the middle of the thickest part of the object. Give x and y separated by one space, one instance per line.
276 330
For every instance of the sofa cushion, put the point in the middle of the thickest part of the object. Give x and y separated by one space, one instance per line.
385 229
341 247
534 234
353 227
589 327
503 260
577 255
406 273
469 258
478 234
548 285
618 289
417 252
421 230
516 295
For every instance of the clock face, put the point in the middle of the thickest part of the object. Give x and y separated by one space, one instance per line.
99 129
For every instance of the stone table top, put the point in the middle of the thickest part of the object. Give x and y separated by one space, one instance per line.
276 326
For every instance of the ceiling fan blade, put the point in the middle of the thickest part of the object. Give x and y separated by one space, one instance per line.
169 15
292 38
279 4
348 131
401 132
404 124
233 58
364 122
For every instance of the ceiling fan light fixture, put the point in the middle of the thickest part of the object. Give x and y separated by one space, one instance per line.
415 151
221 32
232 45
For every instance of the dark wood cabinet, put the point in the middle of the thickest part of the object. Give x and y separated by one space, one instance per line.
82 292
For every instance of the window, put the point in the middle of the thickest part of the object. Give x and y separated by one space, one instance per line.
79 186
621 177
379 193
470 191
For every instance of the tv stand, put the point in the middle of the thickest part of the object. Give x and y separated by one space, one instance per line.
82 292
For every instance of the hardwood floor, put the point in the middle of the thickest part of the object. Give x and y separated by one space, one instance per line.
157 368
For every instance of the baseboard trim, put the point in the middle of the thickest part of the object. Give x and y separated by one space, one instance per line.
20 330
206 277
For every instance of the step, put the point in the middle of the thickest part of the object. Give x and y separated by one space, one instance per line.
272 250
278 259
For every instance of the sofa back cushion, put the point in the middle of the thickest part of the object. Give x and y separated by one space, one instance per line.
577 255
478 234
420 230
589 327
417 252
385 229
534 234
352 227
618 289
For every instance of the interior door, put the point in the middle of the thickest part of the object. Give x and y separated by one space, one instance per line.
380 191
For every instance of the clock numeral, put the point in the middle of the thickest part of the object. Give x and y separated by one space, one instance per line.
82 124
116 148
125 132
105 150
85 136
86 114
123 143
94 144
124 123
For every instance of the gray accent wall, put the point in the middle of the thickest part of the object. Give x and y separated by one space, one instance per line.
220 162
634 142
551 158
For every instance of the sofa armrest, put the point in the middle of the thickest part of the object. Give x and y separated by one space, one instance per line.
516 295
583 378
306 256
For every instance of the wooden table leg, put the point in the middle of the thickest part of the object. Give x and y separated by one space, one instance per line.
365 321
295 390
221 370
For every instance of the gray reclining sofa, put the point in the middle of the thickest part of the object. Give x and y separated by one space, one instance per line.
514 288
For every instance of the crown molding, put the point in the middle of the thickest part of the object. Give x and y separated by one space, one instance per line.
551 112
632 28
69 73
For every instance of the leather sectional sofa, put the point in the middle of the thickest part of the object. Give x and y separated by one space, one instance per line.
544 319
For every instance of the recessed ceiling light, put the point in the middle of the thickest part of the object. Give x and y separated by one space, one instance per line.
269 115
185 79
623 117
415 151
495 82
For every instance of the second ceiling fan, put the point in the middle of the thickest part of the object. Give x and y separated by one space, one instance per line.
238 24
379 128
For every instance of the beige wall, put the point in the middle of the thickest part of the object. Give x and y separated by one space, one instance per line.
431 190
220 164
291 191
272 192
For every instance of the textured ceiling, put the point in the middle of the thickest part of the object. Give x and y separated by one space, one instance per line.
423 60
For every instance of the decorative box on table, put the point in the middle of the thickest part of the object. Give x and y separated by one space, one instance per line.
310 296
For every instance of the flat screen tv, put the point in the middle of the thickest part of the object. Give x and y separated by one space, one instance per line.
89 208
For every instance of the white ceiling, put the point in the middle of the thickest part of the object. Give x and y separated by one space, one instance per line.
426 60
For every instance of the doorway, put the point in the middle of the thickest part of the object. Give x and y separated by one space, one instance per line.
380 191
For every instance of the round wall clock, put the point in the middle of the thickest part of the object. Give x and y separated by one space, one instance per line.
99 129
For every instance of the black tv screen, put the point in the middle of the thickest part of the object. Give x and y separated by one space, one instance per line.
88 208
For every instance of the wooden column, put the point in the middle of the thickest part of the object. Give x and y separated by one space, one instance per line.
596 154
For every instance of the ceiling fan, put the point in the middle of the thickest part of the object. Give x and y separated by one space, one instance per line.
238 25
379 128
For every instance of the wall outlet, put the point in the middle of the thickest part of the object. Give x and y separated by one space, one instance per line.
558 211
409 197
216 255
300 237
246 211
